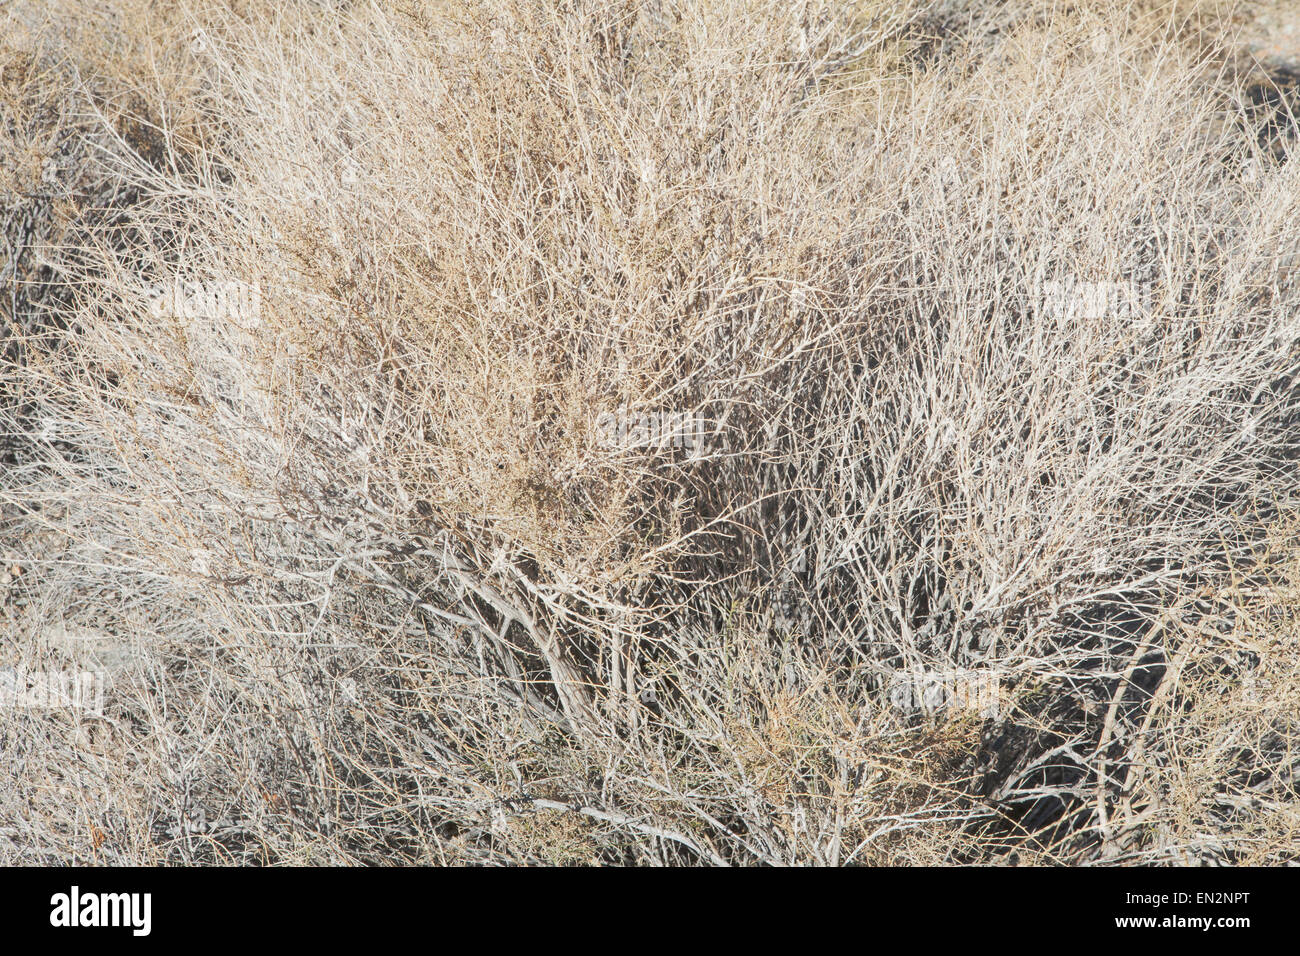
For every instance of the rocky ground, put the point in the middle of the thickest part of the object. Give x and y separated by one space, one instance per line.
1271 33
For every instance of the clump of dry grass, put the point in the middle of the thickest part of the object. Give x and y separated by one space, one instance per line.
986 347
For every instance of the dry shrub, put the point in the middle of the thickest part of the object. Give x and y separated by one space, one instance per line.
631 392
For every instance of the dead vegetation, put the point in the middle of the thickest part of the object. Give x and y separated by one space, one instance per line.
984 320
